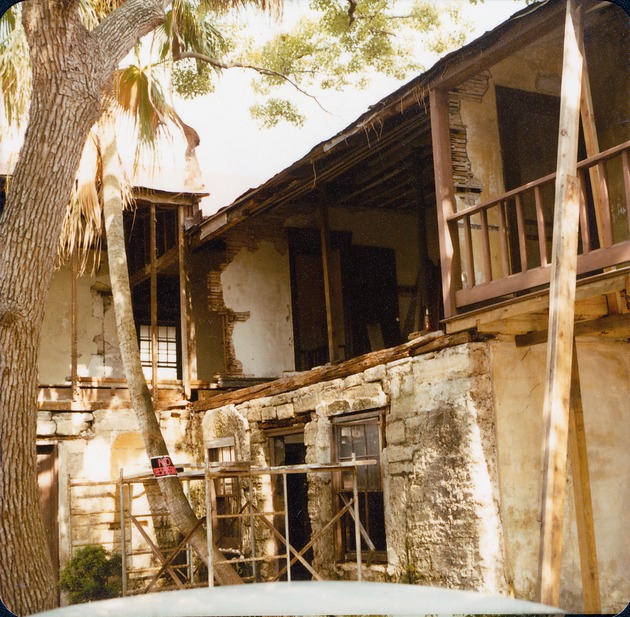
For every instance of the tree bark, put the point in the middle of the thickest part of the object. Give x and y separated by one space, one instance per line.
71 66
171 488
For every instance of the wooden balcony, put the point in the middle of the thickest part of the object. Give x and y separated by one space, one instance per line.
503 246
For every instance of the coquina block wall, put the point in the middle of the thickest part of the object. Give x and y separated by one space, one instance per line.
438 463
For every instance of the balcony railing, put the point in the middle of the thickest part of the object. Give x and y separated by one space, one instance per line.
504 245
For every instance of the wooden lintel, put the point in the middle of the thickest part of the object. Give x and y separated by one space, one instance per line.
186 323
161 263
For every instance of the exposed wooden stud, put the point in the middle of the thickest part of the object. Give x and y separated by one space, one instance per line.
74 327
153 301
324 230
582 495
561 312
184 306
162 262
445 196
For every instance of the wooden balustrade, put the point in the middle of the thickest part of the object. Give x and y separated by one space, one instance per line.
505 242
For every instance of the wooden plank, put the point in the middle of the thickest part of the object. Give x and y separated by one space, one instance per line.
606 223
153 301
625 162
597 284
324 231
74 327
602 326
161 263
433 341
445 196
582 495
561 311
186 324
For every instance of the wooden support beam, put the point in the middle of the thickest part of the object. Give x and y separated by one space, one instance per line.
161 263
582 495
153 301
561 312
591 141
324 230
74 326
186 324
602 326
431 342
445 196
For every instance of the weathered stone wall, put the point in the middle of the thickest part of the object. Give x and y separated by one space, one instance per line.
91 449
438 463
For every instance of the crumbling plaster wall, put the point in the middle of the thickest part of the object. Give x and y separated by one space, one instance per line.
92 447
518 377
438 463
258 282
97 339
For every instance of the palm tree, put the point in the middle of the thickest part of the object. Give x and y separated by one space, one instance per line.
72 64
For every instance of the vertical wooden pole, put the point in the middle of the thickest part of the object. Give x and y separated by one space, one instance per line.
153 300
184 302
74 327
561 314
324 228
591 142
445 196
582 495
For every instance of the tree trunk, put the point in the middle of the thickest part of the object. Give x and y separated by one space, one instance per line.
70 68
170 487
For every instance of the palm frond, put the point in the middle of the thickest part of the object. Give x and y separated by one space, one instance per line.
15 71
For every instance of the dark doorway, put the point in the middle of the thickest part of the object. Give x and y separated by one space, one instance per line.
289 449
373 299
48 481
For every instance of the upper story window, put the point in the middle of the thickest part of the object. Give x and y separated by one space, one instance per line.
361 435
166 351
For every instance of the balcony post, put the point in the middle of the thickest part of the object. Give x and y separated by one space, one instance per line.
445 197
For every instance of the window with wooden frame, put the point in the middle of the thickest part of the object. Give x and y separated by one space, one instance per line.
226 498
167 351
361 435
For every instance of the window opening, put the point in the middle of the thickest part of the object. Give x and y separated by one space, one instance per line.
166 351
226 498
360 435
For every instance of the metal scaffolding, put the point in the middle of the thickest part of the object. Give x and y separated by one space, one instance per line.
182 575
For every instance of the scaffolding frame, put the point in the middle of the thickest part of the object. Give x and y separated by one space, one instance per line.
127 518
248 511
245 471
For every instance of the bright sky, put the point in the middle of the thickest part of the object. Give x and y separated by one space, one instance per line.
236 155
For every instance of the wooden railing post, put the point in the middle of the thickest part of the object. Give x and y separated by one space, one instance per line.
445 197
